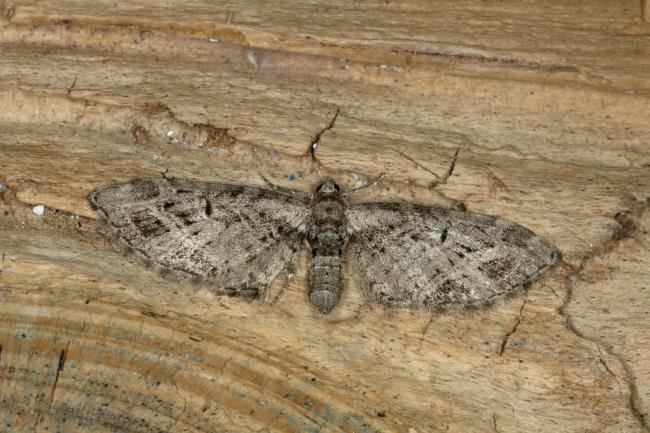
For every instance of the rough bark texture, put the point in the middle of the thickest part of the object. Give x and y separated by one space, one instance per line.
546 103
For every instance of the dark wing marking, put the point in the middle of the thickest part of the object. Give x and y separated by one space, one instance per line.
232 239
431 258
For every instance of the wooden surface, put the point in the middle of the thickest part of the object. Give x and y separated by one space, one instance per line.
547 103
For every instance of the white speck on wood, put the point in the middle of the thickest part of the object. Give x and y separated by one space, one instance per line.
39 210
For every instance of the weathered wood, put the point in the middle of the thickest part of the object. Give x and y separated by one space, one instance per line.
546 102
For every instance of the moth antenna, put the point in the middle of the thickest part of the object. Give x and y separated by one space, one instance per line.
372 183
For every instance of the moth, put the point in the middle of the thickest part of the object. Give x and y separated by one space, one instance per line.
235 240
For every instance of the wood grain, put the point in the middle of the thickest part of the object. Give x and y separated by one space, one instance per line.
545 102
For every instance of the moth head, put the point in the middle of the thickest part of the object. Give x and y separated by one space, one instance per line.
328 186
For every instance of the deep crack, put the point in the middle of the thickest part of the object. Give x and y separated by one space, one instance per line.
512 330
74 83
59 369
315 142
627 229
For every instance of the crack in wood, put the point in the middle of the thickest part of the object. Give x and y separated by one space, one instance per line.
513 329
59 369
494 423
625 231
74 83
513 63
602 361
315 142
440 180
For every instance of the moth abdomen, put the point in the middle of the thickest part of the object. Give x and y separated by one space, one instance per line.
325 282
328 241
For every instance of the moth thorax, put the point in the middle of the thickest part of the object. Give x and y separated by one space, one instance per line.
325 282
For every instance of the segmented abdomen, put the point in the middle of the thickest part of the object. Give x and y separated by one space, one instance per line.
325 282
